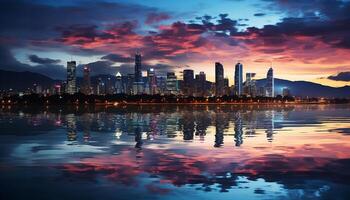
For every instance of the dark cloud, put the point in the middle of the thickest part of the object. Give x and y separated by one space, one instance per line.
342 76
118 58
39 60
35 24
28 16
153 18
332 32
259 14
328 9
81 34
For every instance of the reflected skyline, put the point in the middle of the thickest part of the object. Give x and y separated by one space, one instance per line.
258 152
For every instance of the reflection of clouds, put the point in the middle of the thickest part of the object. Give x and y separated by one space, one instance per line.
180 169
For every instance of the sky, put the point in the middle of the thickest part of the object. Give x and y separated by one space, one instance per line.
301 40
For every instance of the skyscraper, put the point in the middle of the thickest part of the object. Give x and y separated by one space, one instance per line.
138 84
138 73
238 79
118 84
171 83
71 77
219 79
86 87
250 86
101 89
201 86
188 78
152 81
270 84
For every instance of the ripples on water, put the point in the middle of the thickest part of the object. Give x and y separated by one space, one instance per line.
175 152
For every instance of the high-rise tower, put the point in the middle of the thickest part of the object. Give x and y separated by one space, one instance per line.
219 79
138 84
188 82
118 84
152 81
270 84
238 79
86 87
138 73
71 77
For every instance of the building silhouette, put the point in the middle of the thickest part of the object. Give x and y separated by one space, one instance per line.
152 81
188 81
71 77
219 79
119 84
101 88
250 85
270 84
86 87
171 83
201 80
238 79
138 84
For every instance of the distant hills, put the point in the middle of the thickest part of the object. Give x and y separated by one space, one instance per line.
21 80
304 88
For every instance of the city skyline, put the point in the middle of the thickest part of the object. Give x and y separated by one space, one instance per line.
188 84
295 38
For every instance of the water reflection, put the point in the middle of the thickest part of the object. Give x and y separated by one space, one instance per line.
210 152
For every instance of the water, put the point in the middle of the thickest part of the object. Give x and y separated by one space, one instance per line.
175 152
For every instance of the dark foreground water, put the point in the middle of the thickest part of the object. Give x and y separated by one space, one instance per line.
171 152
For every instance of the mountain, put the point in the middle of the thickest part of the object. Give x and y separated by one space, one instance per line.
20 81
304 88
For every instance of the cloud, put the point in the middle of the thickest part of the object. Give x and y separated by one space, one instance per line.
342 76
8 62
33 24
38 60
154 18
118 58
259 14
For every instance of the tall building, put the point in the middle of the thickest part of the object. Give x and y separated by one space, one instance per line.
109 86
238 79
161 84
171 83
152 81
250 86
226 86
138 72
188 82
219 79
270 84
201 80
86 87
130 84
71 77
101 89
118 84
138 84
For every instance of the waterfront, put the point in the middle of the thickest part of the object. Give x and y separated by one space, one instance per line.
175 152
